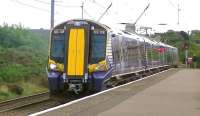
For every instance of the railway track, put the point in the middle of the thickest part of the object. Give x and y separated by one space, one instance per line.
118 95
34 103
23 101
25 105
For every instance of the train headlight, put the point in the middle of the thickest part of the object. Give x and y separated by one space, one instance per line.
52 66
100 67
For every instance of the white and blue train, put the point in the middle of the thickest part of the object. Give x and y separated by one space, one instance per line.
84 54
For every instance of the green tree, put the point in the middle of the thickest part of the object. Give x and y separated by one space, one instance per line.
23 53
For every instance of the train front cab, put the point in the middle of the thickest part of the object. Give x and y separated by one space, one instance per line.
77 59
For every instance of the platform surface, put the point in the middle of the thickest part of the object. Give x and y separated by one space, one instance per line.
178 95
171 93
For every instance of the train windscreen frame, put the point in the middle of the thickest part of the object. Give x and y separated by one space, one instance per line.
58 47
98 50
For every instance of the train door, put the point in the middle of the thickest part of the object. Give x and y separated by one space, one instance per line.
77 54
144 54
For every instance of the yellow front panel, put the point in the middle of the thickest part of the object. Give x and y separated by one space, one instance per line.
71 68
80 52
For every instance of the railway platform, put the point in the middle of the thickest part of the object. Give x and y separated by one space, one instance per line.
175 92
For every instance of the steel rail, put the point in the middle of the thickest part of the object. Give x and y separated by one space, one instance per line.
23 101
42 97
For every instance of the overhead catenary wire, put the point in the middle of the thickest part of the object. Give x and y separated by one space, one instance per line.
31 6
56 4
65 6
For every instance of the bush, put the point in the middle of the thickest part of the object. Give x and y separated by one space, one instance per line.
16 89
23 54
178 39
13 72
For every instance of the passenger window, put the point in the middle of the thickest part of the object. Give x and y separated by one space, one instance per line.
98 51
58 47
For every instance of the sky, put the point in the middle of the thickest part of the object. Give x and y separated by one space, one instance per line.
36 13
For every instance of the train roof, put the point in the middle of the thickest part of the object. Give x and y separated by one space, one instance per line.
87 20
118 32
140 37
127 34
